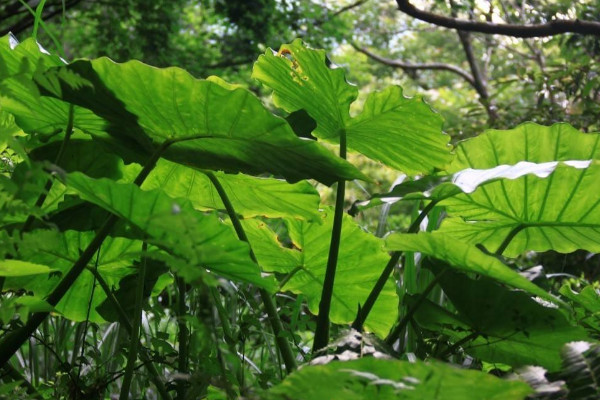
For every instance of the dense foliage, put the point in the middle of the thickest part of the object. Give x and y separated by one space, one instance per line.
162 237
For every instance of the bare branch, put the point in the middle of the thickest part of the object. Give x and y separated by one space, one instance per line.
479 81
555 27
413 67
349 7
340 11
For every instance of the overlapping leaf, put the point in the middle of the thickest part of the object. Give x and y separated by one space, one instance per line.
559 212
20 96
464 257
113 262
199 239
250 196
212 124
371 378
360 263
400 132
508 325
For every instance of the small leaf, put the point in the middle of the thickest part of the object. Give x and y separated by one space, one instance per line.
22 268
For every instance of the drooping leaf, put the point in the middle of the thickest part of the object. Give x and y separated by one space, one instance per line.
511 327
199 239
400 132
360 263
250 196
558 212
212 124
463 257
43 116
371 378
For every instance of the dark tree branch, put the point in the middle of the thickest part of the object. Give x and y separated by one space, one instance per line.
413 67
551 28
480 83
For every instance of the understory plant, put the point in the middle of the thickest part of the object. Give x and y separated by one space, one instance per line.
162 237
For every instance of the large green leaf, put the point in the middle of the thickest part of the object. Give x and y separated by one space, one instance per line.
250 196
463 257
511 327
439 187
558 212
199 239
527 142
212 124
400 132
372 378
360 263
114 261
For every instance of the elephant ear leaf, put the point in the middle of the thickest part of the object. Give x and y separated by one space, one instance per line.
371 378
206 124
361 260
556 211
403 133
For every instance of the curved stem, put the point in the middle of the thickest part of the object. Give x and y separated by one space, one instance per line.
282 343
387 271
135 329
322 330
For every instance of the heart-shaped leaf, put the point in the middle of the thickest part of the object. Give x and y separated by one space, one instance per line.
360 263
400 132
